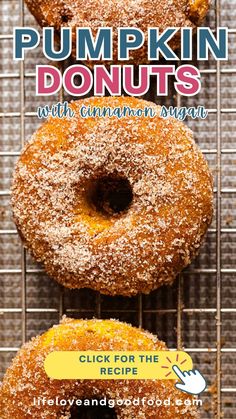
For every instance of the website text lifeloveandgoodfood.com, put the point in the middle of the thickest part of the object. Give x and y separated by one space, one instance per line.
104 402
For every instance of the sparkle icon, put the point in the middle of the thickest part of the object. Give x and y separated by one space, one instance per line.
170 363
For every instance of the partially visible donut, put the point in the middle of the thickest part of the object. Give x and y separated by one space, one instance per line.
26 377
117 205
142 14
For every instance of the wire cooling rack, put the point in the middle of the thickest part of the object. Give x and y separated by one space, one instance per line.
199 312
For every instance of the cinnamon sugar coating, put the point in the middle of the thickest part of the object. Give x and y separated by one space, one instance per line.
141 14
26 377
83 244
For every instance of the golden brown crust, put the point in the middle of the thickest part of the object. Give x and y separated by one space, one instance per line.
26 378
134 251
198 10
115 13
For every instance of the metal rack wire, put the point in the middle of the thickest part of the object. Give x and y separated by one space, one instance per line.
137 308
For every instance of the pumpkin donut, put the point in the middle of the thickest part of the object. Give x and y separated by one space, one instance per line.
141 14
26 378
119 205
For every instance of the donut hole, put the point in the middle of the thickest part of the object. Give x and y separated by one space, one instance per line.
92 412
65 19
66 16
111 195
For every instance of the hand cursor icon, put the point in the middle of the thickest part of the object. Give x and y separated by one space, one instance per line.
192 381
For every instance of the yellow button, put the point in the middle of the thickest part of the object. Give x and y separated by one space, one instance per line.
109 365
